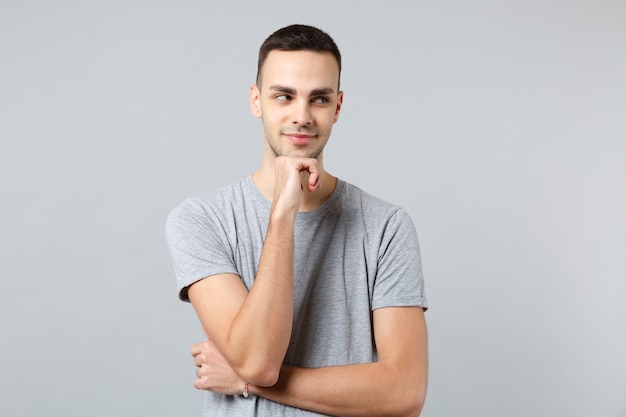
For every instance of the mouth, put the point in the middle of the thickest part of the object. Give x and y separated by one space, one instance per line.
300 139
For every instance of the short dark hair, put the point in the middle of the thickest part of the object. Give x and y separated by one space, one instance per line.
297 38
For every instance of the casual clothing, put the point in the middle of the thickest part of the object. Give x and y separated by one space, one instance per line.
352 255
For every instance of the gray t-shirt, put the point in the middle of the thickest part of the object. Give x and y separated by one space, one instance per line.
352 255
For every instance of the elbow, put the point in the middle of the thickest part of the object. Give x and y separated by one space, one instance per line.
262 376
416 404
410 402
416 407
259 368
412 408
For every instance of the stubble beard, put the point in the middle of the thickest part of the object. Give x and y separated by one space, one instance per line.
313 154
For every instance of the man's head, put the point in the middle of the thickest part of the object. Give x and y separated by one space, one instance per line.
297 92
297 38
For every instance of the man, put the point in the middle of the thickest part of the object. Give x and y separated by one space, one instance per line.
309 290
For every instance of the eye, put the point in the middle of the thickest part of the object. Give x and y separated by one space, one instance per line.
321 100
283 97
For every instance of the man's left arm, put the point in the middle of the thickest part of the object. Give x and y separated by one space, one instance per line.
393 386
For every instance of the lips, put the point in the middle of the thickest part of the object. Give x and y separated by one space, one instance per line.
300 139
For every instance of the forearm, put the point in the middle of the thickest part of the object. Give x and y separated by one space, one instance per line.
372 389
260 332
393 386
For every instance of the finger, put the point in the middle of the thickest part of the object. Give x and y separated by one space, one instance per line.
201 382
314 181
197 348
313 178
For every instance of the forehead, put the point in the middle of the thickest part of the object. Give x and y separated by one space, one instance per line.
304 69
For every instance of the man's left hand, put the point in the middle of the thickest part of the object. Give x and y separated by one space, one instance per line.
214 373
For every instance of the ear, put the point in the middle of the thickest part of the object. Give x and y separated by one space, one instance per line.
255 101
339 104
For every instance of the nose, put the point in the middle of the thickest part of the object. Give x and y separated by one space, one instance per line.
302 113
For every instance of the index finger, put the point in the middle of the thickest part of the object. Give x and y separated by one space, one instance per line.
314 181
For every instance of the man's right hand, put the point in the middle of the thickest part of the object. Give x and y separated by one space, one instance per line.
292 176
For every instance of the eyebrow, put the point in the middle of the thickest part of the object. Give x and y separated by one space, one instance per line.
292 91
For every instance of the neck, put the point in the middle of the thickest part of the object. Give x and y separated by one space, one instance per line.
264 180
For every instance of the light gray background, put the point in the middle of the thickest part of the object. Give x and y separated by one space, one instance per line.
499 125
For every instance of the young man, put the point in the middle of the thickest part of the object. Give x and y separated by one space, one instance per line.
309 290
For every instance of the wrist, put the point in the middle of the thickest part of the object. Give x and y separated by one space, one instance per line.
281 222
283 214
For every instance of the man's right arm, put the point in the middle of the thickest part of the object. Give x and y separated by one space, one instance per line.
253 329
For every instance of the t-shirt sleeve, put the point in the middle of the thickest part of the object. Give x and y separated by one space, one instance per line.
198 245
399 280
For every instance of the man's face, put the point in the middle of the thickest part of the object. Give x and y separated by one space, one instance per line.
298 100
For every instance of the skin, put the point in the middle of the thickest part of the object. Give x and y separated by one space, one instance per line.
298 100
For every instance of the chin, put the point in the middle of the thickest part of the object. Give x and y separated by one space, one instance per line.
301 153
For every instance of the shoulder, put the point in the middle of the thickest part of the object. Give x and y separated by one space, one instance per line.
213 204
370 205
